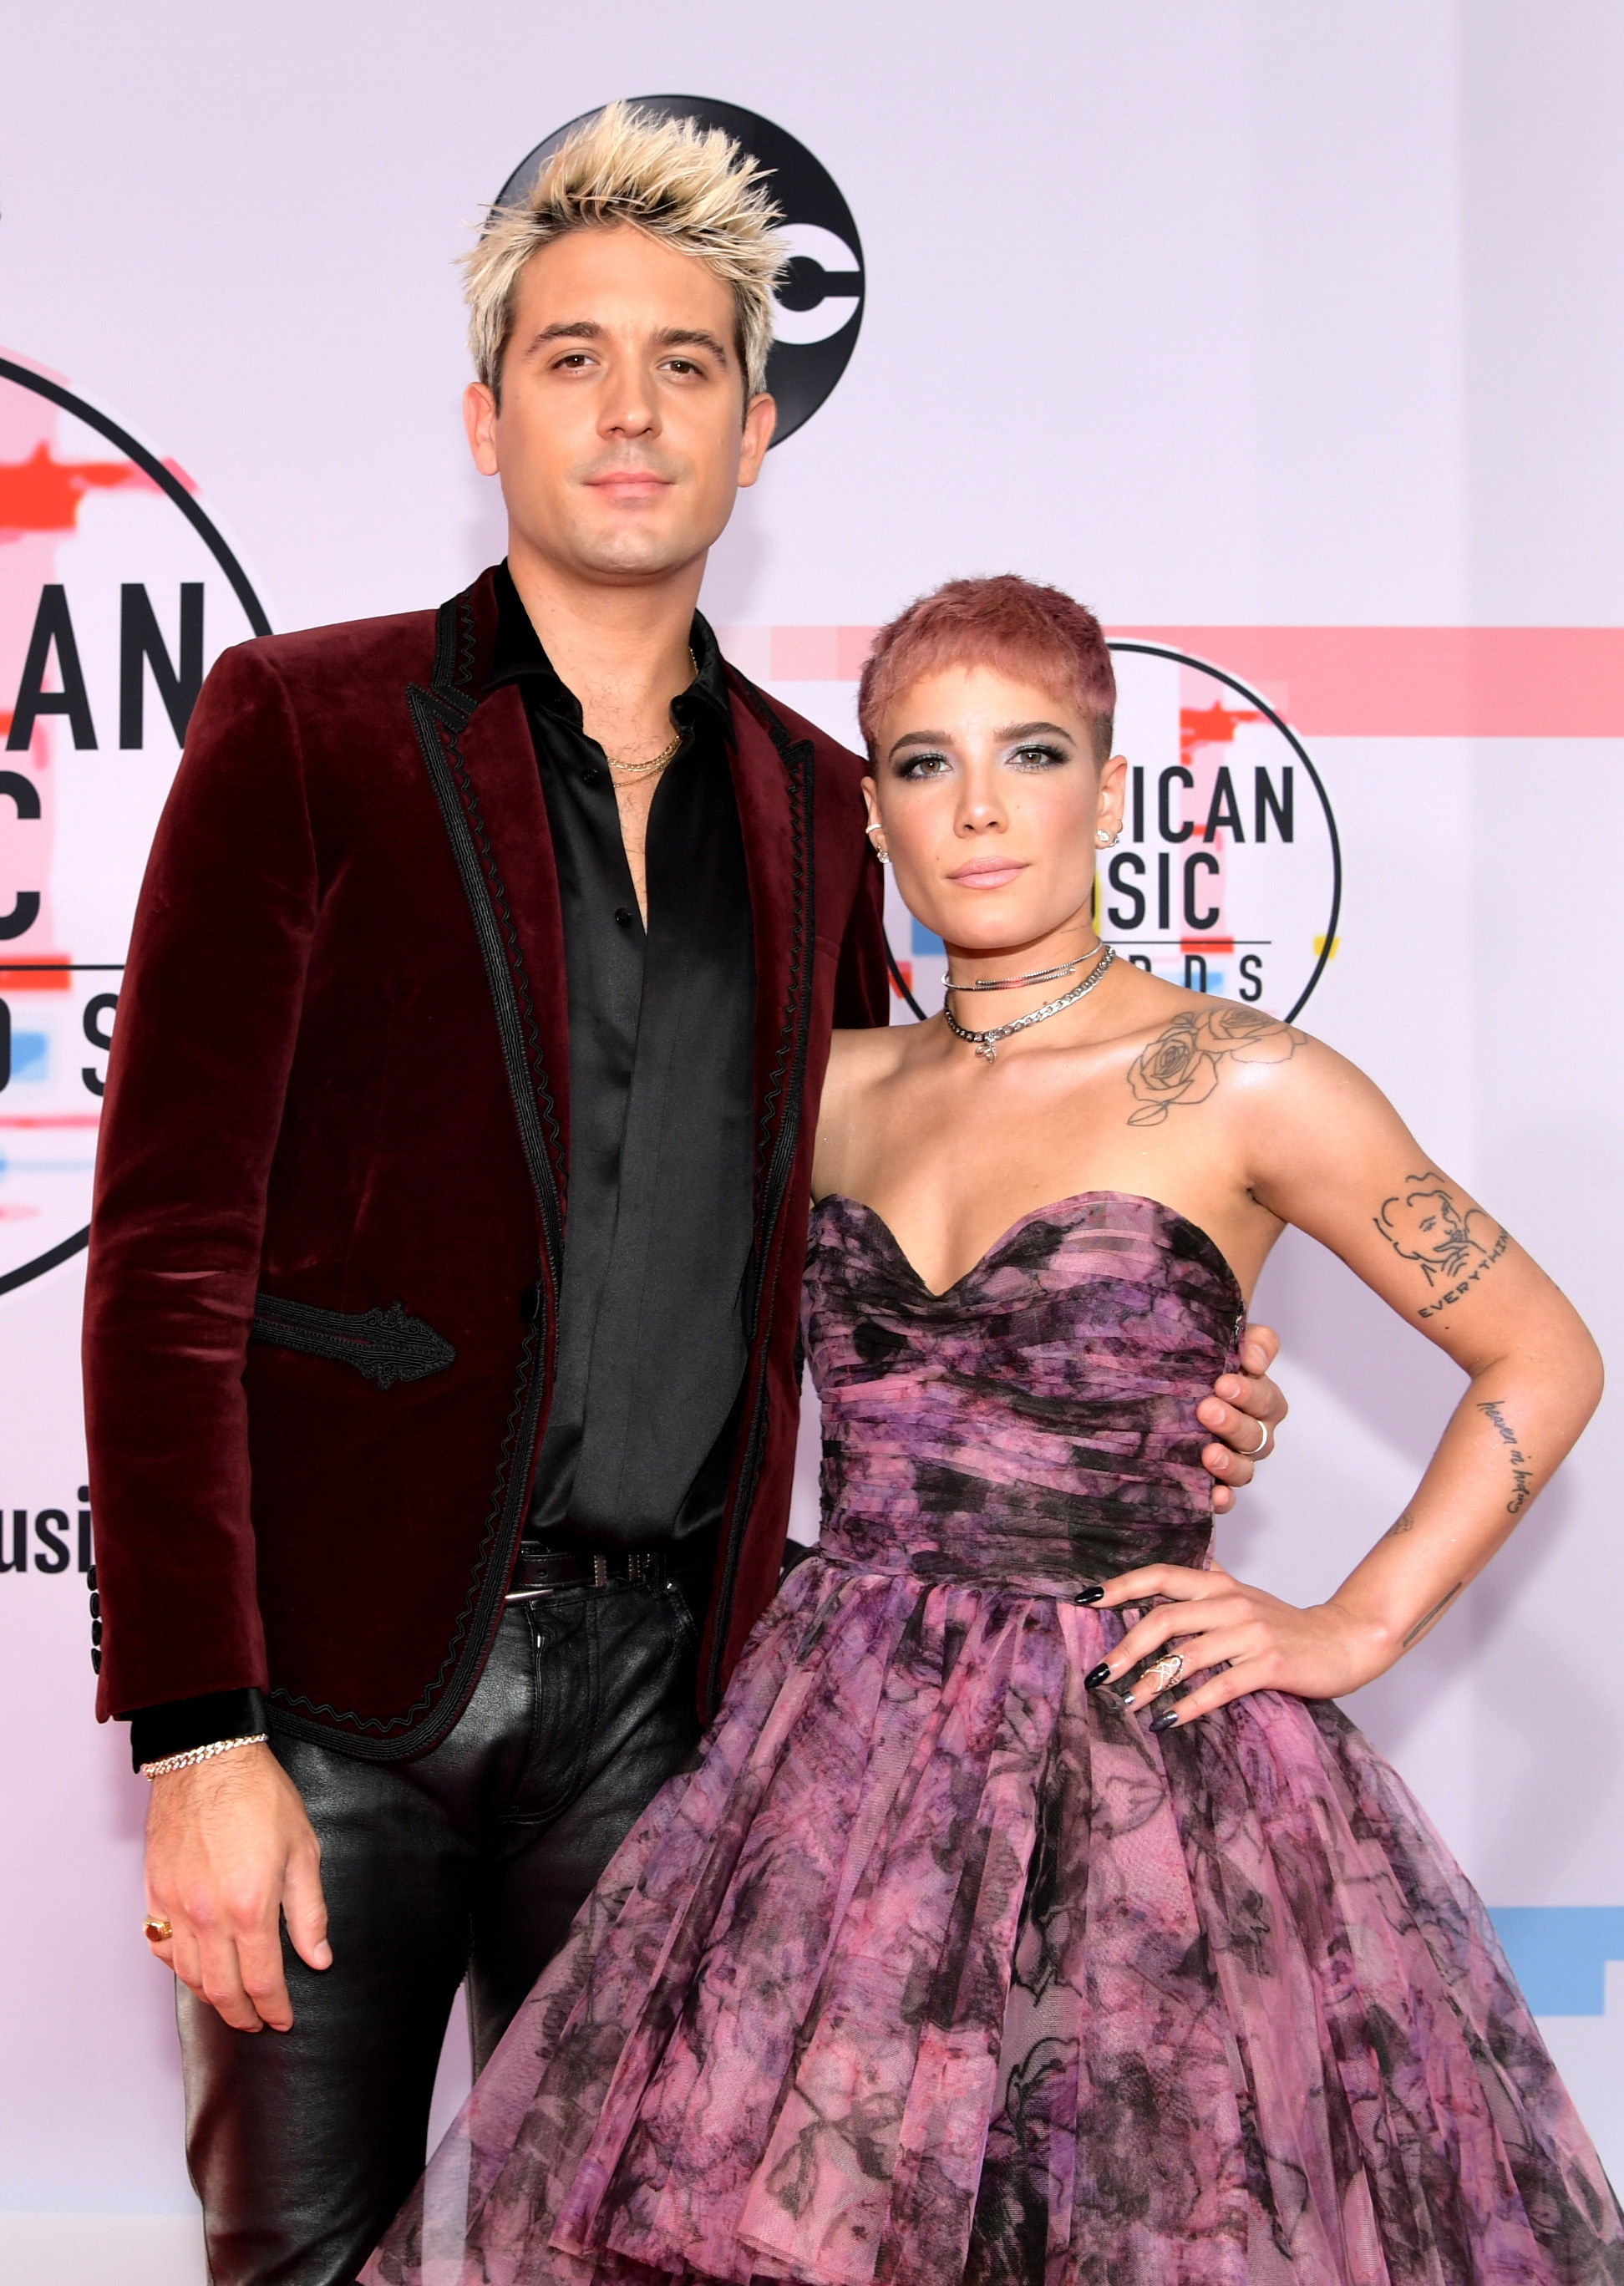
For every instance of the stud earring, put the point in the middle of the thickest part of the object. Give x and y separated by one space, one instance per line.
884 856
1104 840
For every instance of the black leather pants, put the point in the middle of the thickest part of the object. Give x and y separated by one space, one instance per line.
471 1861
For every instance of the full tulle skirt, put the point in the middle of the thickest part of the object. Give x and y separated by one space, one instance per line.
937 1967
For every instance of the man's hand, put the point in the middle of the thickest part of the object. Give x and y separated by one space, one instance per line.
229 1850
1238 1403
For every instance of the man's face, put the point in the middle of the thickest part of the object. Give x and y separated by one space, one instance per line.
623 434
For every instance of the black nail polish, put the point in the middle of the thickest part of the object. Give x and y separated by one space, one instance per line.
1088 1596
1092 1680
1164 1722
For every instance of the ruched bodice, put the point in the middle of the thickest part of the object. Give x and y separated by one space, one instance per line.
1036 1421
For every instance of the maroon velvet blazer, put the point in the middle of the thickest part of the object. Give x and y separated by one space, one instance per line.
333 1176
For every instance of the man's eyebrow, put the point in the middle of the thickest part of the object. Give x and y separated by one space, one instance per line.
679 337
670 338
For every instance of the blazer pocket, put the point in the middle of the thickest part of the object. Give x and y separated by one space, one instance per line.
385 1345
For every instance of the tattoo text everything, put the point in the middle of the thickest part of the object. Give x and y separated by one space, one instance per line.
1424 1223
1180 1066
1522 1468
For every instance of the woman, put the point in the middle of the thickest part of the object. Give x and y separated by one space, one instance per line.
1033 1914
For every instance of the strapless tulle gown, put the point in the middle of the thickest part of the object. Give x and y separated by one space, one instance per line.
935 1967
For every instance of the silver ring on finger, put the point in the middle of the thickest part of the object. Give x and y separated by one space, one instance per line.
1163 1674
1257 1450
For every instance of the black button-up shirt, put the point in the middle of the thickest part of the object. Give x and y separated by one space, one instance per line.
652 1331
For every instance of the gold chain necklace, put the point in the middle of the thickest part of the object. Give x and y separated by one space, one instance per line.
665 754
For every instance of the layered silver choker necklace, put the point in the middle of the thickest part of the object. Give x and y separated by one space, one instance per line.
986 1043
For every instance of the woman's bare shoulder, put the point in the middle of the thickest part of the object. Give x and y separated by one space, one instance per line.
1192 1043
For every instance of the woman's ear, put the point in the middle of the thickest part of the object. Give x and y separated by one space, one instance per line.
1113 796
875 831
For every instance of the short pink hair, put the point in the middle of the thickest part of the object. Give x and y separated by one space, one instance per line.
1001 622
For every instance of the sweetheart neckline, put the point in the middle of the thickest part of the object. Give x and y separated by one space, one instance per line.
1033 1214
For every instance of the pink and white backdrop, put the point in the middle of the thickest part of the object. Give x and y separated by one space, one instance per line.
1292 339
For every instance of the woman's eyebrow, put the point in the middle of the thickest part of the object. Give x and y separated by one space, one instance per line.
1030 729
921 738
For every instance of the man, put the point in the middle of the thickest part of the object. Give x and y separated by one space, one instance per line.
441 1336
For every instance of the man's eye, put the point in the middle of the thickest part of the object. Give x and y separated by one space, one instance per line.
574 358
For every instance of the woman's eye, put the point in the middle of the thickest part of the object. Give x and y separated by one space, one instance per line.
1037 757
923 766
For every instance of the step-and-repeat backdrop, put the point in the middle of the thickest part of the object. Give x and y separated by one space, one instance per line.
1290 342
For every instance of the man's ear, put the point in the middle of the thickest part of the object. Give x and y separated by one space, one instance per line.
479 418
760 420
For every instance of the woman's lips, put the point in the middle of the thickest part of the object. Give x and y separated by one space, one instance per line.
995 876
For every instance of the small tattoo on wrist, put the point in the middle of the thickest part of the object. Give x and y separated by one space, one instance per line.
1437 1613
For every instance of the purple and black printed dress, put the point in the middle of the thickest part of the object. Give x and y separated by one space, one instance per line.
935 1967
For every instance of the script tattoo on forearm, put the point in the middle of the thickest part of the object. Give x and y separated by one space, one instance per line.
1426 1224
1180 1066
1522 1467
1437 1613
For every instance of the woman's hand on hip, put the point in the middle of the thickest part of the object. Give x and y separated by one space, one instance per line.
1229 1639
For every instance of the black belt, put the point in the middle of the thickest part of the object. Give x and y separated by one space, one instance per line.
549 1571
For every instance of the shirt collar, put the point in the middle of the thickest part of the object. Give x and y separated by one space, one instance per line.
518 654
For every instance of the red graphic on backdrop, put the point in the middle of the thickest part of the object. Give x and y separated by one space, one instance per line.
43 493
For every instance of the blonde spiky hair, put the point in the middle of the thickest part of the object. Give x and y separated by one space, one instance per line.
693 190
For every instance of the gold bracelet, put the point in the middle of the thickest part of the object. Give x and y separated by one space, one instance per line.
150 1770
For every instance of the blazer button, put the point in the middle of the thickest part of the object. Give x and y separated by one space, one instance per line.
530 1303
591 775
623 916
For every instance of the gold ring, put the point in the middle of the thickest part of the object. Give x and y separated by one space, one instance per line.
1164 1673
156 1930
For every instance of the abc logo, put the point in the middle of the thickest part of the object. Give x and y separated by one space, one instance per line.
819 298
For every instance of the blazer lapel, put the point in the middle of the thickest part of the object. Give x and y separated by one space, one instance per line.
772 783
482 765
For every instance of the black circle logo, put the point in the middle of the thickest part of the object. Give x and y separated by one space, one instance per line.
117 593
818 307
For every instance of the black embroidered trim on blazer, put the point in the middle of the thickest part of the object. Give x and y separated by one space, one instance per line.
439 715
386 1346
777 1141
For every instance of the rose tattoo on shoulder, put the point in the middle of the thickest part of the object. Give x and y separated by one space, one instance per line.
1180 1066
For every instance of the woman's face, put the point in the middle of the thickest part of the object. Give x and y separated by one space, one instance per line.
989 797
